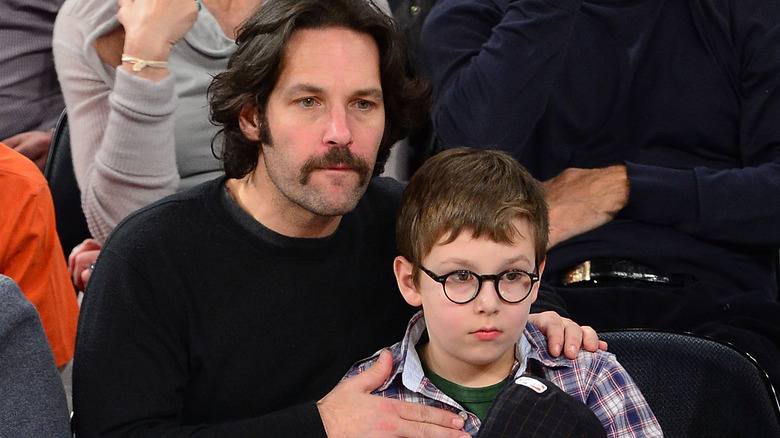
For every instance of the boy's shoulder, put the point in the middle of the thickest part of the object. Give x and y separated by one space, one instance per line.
586 361
364 364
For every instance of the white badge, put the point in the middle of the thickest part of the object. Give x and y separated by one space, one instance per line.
532 383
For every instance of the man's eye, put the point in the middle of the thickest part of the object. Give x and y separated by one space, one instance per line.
363 105
307 102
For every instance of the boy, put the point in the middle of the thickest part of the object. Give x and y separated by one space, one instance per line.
472 232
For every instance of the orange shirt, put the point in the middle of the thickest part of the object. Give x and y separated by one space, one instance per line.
30 250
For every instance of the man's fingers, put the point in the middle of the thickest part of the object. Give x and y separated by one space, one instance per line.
349 410
590 339
573 338
425 418
374 376
565 334
551 325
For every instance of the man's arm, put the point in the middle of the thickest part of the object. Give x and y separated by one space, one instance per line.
506 56
727 192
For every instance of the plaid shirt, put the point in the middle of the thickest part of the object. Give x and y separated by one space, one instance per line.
597 379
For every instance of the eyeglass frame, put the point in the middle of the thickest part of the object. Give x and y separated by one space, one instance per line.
442 279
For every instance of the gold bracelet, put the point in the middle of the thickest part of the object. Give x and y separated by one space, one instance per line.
139 64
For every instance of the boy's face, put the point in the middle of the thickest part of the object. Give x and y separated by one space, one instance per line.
471 344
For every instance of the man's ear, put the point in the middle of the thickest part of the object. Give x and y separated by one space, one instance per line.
249 122
538 284
404 275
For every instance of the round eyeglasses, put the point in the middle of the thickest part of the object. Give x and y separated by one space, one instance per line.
463 286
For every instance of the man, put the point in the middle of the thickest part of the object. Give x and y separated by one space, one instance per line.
233 309
654 124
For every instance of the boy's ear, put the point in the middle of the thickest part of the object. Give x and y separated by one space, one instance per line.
538 284
404 276
249 122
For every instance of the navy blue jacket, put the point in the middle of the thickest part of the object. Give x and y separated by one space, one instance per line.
684 92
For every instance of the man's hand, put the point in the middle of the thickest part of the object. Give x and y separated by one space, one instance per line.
583 199
563 331
349 410
81 260
33 145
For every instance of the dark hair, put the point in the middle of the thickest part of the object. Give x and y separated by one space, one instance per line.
255 67
470 190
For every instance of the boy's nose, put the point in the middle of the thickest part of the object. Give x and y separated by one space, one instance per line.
488 299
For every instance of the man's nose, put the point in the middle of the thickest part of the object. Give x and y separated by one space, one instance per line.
337 129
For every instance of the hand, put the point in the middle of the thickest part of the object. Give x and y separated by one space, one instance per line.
152 27
80 260
33 145
557 329
583 199
349 410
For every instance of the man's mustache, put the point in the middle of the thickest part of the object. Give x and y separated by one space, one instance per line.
337 156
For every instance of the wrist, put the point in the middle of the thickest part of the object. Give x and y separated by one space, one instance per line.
148 61
147 48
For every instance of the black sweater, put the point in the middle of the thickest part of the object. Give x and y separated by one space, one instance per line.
198 321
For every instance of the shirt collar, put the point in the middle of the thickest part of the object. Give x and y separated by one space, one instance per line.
532 345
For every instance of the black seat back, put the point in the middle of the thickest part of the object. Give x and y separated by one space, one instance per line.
71 223
698 387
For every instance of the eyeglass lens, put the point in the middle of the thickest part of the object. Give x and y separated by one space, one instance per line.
462 286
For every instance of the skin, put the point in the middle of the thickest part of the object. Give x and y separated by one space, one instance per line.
471 344
581 200
79 261
32 144
150 28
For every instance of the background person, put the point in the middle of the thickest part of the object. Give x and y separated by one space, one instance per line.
32 400
31 255
653 124
30 96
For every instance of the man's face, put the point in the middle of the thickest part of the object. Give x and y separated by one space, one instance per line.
325 119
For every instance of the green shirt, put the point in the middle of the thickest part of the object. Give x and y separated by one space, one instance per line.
474 400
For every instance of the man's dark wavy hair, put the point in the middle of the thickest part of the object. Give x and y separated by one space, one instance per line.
255 67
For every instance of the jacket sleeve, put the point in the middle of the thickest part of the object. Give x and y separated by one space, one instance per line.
736 204
505 53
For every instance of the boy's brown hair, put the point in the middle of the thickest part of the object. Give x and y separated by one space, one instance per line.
482 191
